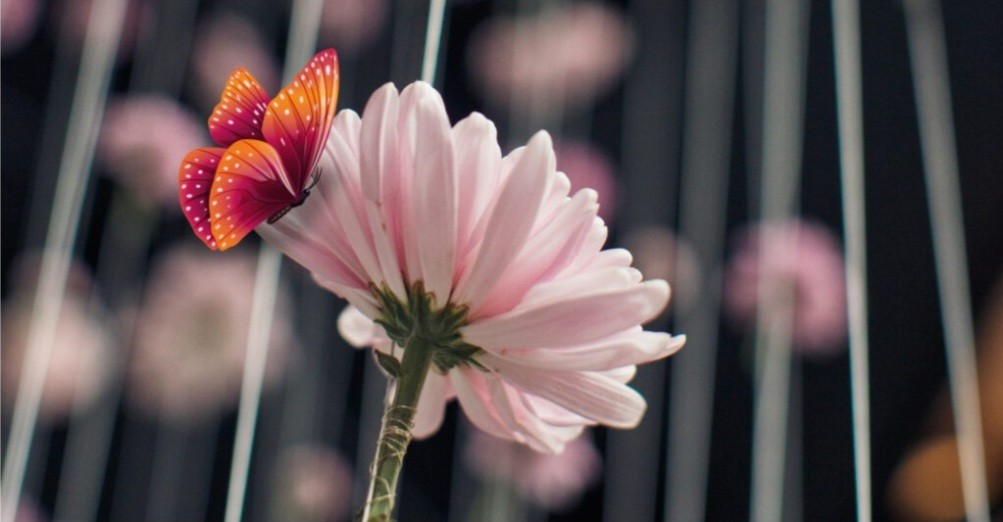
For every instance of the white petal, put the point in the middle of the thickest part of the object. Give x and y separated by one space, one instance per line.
435 198
431 405
626 348
567 322
511 219
589 394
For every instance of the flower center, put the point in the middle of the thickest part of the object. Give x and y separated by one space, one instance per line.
438 328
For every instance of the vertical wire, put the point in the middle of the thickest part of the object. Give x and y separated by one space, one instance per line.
709 106
931 81
304 27
849 105
103 30
783 116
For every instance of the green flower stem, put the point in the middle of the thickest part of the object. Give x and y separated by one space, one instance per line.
395 435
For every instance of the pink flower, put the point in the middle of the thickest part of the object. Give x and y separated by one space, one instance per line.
84 352
18 19
352 24
813 265
568 56
222 44
73 16
554 482
315 484
547 327
191 335
144 162
587 167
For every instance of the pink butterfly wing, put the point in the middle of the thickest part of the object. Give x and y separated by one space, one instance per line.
250 187
194 182
240 111
298 120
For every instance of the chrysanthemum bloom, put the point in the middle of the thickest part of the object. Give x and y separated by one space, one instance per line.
191 335
812 266
568 56
147 163
84 351
484 272
553 482
314 484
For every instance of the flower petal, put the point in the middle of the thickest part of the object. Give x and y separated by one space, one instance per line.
589 394
435 198
431 405
511 218
626 348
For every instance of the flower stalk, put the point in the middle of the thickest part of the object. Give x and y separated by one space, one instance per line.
398 418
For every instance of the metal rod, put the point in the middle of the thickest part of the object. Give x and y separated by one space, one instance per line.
931 80
849 104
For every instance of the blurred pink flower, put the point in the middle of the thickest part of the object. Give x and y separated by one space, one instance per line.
587 167
549 329
553 482
222 44
314 484
72 17
567 56
147 162
661 254
350 25
191 335
84 353
813 266
18 20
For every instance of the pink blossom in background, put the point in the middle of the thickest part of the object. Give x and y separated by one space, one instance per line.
567 56
814 266
222 44
314 484
350 25
662 254
146 162
84 351
191 335
72 16
552 323
553 482
587 167
18 21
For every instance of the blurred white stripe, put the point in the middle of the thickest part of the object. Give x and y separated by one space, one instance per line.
785 52
706 160
931 81
103 30
849 104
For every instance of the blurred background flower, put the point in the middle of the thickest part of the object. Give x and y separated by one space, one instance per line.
18 21
143 139
553 482
84 351
812 266
191 334
223 43
565 56
350 25
314 484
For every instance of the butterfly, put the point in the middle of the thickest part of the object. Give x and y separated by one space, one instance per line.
268 152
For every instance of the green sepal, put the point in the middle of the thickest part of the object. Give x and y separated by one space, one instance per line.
389 363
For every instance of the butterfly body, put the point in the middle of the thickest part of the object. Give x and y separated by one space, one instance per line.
271 152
